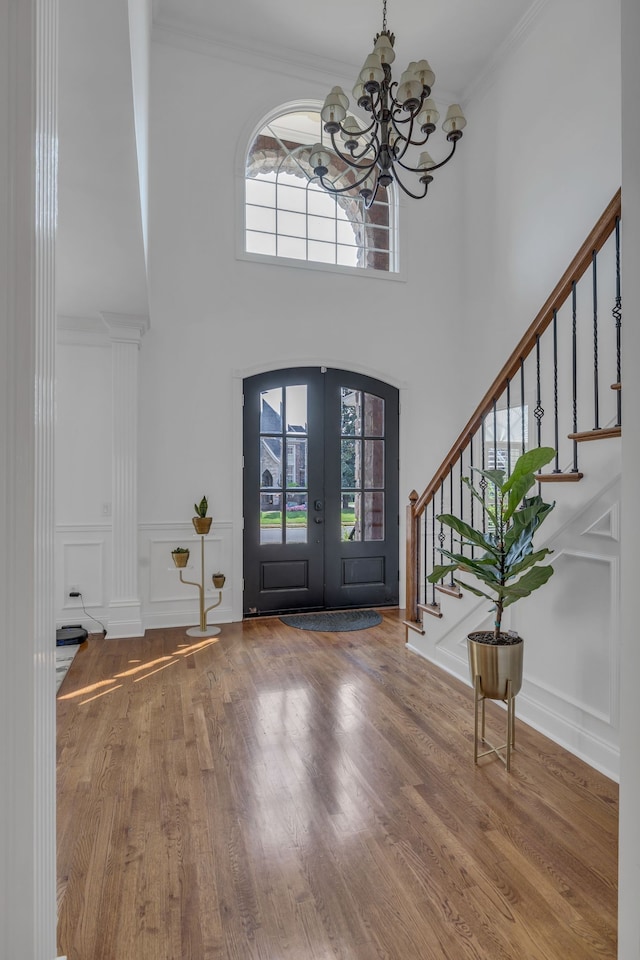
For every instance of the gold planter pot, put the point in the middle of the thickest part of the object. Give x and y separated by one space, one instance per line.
496 672
180 559
218 581
202 524
495 664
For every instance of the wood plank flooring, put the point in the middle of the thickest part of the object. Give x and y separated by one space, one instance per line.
276 794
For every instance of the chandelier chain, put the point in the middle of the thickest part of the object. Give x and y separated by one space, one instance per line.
384 15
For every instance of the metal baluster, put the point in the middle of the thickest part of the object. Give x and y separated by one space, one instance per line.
539 409
574 352
617 316
483 481
495 435
596 401
473 552
451 509
433 546
425 548
555 389
461 498
441 536
522 407
509 428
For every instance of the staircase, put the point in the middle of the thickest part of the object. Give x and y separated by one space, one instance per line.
560 387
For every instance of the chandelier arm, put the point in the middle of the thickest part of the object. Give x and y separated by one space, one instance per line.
436 166
348 161
351 186
408 136
361 133
415 196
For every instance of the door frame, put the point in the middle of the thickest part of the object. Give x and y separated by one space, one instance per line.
238 376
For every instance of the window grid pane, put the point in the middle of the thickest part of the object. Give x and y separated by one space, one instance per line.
289 214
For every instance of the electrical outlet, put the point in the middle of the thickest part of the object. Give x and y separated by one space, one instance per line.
74 590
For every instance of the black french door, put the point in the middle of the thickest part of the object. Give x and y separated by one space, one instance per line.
320 491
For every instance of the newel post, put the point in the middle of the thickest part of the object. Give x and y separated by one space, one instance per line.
412 564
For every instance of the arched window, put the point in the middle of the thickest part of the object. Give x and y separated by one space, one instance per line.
289 214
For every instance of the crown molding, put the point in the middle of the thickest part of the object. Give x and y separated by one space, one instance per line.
81 332
198 38
518 35
125 327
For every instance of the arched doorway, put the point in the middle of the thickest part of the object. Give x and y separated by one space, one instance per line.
320 491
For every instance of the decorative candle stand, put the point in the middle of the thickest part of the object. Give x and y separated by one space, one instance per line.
203 630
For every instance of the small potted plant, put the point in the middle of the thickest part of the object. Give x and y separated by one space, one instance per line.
218 580
507 567
180 556
201 521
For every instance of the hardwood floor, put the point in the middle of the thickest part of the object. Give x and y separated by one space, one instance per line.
275 793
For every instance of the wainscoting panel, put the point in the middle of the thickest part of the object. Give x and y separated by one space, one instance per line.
166 602
83 560
82 553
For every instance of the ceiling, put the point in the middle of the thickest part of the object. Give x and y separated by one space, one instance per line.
458 37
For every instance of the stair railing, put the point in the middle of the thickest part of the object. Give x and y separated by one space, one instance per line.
537 399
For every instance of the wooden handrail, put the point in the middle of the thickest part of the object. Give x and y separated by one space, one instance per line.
578 266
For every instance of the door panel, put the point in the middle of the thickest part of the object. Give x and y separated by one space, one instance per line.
320 491
361 478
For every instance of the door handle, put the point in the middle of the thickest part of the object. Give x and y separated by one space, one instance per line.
317 519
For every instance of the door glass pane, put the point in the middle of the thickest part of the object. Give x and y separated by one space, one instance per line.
296 408
351 416
373 415
270 462
297 462
373 522
357 517
296 517
347 515
374 463
350 463
270 518
271 411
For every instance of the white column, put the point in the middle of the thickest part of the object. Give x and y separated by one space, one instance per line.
125 616
629 864
28 185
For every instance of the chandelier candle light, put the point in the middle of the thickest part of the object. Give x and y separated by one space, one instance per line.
401 115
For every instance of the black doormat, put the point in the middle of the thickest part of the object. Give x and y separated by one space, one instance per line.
340 621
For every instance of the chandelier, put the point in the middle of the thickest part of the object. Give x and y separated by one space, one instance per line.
400 116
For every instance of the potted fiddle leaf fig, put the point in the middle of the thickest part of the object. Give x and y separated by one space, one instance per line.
201 521
504 563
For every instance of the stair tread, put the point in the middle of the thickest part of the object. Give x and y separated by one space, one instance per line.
616 386
603 433
431 608
449 590
412 625
559 477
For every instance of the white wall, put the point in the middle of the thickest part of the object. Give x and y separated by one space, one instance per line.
214 315
28 177
542 163
629 869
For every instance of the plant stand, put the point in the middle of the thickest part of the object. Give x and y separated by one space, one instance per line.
510 701
203 630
